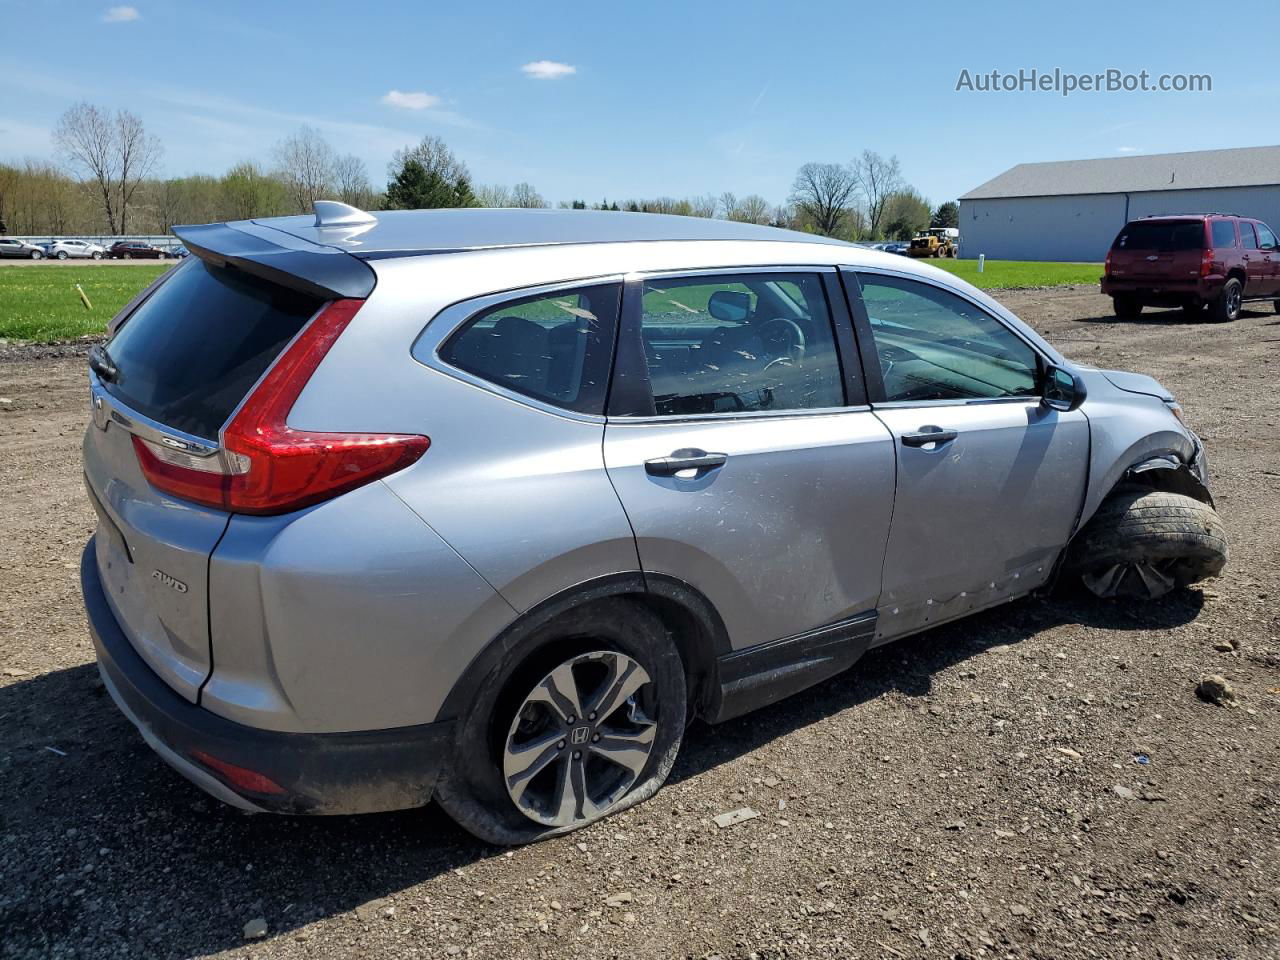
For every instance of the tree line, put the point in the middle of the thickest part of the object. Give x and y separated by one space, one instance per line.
103 180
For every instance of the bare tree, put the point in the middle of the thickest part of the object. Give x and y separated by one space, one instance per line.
727 203
704 206
496 195
878 179
114 153
523 195
351 180
751 209
306 164
822 193
434 156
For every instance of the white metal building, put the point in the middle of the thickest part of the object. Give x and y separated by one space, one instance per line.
1072 209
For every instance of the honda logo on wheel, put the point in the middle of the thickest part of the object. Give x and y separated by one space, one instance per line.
580 735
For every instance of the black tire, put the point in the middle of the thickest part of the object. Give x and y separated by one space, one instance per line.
62 254
1275 305
1126 306
1143 543
472 789
37 255
97 256
1226 308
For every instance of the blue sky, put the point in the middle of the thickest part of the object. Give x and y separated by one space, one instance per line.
663 98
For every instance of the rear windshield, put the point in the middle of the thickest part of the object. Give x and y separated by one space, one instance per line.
1162 235
189 354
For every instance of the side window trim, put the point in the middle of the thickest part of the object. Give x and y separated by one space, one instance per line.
630 393
867 343
450 319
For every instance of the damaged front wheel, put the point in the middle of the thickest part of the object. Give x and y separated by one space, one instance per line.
1144 543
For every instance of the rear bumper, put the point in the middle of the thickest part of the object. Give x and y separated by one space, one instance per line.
1160 292
335 773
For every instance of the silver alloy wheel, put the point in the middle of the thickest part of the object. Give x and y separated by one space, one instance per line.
580 739
1234 299
1147 578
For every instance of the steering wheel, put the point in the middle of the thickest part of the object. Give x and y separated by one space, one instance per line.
782 331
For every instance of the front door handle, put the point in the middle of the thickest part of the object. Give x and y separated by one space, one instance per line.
685 459
927 435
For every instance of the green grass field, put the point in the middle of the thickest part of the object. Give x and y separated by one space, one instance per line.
1003 274
41 302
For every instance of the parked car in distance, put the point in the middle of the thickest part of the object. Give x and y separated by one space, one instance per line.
78 249
135 250
900 247
1211 262
11 247
487 507
181 252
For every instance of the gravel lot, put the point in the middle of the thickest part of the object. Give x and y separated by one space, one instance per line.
1038 781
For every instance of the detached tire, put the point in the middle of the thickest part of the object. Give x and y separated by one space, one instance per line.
1144 543
526 764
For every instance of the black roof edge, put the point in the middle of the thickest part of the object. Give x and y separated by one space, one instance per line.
331 274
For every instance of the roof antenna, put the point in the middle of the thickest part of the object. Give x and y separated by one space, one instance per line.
331 213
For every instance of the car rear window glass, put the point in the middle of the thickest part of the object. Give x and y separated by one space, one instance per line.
1224 234
555 347
1266 239
1162 235
193 349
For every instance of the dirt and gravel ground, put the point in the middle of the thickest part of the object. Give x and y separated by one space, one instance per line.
1039 781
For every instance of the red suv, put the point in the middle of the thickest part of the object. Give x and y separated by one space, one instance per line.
1211 260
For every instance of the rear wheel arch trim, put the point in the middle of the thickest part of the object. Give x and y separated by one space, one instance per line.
663 595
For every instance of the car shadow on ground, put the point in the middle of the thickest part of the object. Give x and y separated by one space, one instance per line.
104 849
1172 318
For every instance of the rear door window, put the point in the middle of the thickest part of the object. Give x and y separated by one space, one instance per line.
737 343
554 347
1224 234
1266 239
1162 235
192 350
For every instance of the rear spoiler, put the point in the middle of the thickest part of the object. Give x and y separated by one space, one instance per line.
324 272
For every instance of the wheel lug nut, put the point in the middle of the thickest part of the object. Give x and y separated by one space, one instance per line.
596 738
577 754
592 717
560 745
571 720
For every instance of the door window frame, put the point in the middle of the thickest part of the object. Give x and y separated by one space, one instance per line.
629 387
852 279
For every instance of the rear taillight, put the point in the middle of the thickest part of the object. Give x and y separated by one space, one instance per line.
1106 265
268 467
1206 263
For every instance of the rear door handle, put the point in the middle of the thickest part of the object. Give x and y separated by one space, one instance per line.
927 435
686 459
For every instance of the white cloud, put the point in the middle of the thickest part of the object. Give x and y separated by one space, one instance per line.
121 15
410 101
547 70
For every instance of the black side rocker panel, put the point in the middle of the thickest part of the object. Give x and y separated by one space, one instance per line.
766 673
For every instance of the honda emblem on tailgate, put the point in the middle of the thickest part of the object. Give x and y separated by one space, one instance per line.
169 581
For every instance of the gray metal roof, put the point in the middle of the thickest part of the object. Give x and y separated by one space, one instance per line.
1201 169
428 231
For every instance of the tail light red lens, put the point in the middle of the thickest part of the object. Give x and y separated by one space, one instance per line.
268 467
1206 263
1106 265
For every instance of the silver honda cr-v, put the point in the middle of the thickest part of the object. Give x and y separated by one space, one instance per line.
486 505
